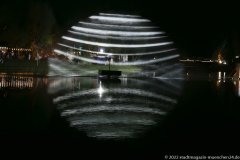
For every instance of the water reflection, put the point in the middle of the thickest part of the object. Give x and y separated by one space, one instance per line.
123 108
15 81
237 86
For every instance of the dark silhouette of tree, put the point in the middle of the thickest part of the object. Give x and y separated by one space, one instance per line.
41 28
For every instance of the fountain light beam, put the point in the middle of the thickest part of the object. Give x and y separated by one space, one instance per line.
116 37
118 63
119 54
119 15
118 19
115 45
115 33
127 27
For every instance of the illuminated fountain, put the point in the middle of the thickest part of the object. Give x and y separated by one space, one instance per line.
126 107
129 43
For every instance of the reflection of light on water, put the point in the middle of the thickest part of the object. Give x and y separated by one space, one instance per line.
238 88
100 90
126 110
218 83
15 81
113 108
55 85
221 77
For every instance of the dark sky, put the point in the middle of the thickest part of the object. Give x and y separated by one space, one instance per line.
198 28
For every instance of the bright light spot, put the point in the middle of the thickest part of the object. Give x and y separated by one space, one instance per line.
219 75
101 50
100 90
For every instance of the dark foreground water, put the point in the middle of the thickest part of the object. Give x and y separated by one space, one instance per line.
125 117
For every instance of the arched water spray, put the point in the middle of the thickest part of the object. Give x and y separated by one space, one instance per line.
133 43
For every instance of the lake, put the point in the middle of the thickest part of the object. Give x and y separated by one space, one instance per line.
140 117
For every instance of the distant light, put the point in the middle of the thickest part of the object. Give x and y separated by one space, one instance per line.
237 57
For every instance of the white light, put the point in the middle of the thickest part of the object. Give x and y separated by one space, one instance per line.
117 26
128 108
115 33
118 63
119 15
120 54
100 90
116 37
119 19
101 50
116 45
219 75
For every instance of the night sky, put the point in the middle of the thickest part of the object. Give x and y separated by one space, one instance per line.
198 29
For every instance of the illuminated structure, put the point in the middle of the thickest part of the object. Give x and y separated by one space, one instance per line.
4 49
124 109
16 82
127 39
